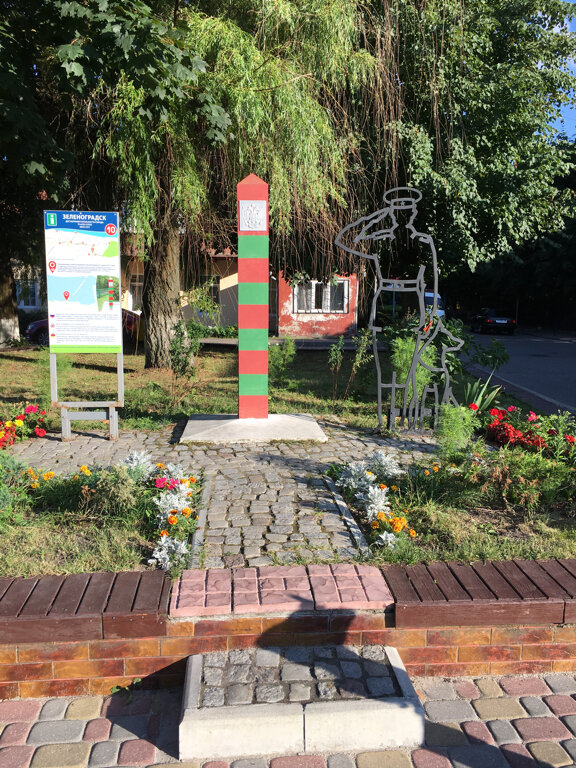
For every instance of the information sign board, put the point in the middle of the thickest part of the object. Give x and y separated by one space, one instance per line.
83 278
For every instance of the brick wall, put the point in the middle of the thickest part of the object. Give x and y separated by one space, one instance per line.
30 670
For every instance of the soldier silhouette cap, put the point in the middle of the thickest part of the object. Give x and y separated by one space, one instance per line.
402 197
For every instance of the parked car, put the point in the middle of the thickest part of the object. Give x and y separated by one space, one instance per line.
37 332
429 303
490 320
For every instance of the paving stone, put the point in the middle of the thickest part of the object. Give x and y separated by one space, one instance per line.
253 762
326 690
439 689
541 729
498 709
387 759
214 764
239 694
104 754
84 708
466 689
296 673
267 657
14 734
449 711
477 732
381 686
477 756
298 761
535 706
299 692
561 683
503 732
524 686
136 752
351 669
213 697
19 711
570 746
54 709
444 735
561 704
518 756
269 694
16 757
341 761
126 727
489 687
56 731
97 730
429 758
61 756
550 754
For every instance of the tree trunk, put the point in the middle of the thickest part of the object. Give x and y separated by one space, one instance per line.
8 307
160 296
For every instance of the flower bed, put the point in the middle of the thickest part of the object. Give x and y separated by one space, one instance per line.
26 420
97 518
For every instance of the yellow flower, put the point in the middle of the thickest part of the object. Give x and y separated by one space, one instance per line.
435 468
18 422
394 487
34 485
2 433
48 475
375 524
184 481
9 424
381 516
186 511
160 465
412 533
368 472
84 469
426 472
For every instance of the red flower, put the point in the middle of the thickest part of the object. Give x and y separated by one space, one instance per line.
39 431
473 407
570 438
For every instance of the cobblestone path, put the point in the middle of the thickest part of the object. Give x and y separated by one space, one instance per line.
489 722
265 504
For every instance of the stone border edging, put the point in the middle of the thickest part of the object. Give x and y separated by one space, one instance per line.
344 509
198 536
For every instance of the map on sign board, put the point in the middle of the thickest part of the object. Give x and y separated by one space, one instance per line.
83 279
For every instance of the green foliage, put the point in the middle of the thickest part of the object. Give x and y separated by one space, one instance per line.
362 356
184 347
456 425
402 350
335 357
280 358
480 393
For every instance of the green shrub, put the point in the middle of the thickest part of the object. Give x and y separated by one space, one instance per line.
402 353
455 429
280 358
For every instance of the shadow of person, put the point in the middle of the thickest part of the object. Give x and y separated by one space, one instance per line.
315 667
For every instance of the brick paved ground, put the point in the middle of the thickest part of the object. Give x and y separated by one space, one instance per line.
483 723
267 503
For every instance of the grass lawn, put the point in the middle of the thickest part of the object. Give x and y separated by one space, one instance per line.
467 514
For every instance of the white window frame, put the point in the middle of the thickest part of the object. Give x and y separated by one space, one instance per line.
311 285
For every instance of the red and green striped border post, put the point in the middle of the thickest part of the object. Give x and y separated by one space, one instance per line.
253 277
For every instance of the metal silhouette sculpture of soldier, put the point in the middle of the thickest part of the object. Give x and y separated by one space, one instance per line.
378 229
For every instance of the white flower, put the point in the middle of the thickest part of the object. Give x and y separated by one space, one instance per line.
384 465
375 500
141 461
169 553
388 540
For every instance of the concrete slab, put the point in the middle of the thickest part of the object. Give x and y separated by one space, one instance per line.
226 428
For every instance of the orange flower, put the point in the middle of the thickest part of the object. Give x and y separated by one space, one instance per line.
172 519
426 472
163 533
375 524
184 481
160 465
435 468
186 511
189 493
412 533
192 479
383 486
394 487
381 516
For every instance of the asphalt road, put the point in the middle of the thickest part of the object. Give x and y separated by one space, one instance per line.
541 369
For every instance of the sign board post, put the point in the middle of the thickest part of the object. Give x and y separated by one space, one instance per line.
253 298
84 311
